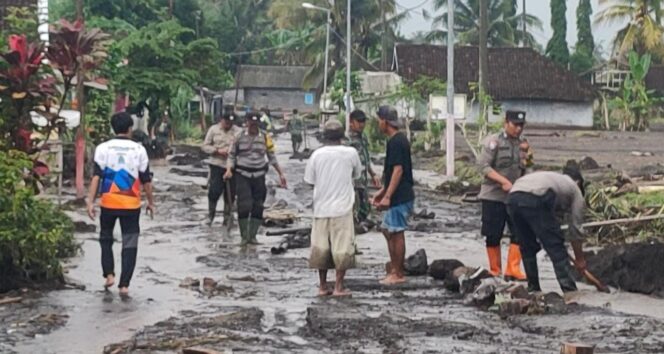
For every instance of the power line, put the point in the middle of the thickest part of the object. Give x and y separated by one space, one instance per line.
355 51
256 51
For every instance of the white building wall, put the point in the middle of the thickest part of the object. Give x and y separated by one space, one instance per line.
572 114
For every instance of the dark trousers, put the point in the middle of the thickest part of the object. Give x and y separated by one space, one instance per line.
494 219
537 227
218 188
129 225
251 194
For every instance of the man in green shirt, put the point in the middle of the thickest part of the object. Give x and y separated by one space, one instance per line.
295 128
358 140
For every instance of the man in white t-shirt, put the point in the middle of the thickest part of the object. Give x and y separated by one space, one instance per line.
331 169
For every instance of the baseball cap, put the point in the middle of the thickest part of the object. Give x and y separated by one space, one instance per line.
358 115
390 115
333 130
252 117
517 117
228 116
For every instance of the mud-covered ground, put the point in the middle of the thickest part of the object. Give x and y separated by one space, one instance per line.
267 303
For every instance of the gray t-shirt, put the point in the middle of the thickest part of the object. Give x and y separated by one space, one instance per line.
569 199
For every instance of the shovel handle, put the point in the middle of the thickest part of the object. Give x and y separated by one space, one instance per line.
593 280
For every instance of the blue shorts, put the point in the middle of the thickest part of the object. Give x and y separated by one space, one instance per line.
395 218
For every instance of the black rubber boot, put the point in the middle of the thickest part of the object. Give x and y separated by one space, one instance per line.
212 211
530 266
562 270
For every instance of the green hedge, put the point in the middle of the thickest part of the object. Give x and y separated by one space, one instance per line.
34 234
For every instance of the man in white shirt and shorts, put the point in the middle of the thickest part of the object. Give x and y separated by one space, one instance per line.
331 169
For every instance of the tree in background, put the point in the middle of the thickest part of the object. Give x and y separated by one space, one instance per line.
367 27
504 23
635 100
557 49
583 57
643 33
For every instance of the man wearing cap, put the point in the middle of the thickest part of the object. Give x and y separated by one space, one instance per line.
397 195
331 169
358 140
502 162
533 203
218 142
250 156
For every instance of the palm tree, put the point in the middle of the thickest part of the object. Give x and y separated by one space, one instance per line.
643 32
504 23
366 24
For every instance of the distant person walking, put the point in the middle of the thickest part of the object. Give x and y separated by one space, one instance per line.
251 155
121 167
397 195
218 142
296 127
331 169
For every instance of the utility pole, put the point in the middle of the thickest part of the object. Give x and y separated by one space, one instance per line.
449 129
79 144
348 66
383 57
523 19
484 59
170 8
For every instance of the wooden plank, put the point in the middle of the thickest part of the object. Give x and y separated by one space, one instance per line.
619 221
576 348
10 300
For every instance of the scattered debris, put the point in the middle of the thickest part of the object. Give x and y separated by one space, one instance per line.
187 159
279 217
577 348
209 284
10 300
190 171
293 241
199 350
190 283
424 214
84 227
588 163
642 154
440 269
416 264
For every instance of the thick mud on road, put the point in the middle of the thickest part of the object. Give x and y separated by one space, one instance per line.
258 302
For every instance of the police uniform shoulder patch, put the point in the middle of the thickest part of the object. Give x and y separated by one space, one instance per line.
493 145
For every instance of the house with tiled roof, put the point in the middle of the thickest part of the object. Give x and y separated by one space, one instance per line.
518 79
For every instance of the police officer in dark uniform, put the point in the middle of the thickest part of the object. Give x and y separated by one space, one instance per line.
503 160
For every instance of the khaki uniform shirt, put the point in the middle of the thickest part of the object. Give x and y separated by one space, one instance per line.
569 200
218 138
502 154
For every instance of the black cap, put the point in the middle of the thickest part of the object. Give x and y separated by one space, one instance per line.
389 115
252 117
229 117
358 115
518 117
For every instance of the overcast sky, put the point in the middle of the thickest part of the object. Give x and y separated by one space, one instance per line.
539 8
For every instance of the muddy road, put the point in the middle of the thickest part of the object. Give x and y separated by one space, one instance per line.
257 302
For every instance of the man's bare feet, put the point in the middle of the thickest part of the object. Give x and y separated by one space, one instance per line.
324 292
124 291
110 280
393 280
341 293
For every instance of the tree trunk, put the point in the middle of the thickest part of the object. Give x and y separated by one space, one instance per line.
383 59
80 135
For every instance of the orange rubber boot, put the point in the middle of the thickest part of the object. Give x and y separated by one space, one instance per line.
513 269
495 266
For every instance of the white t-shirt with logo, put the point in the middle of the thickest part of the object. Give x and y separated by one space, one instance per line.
331 170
